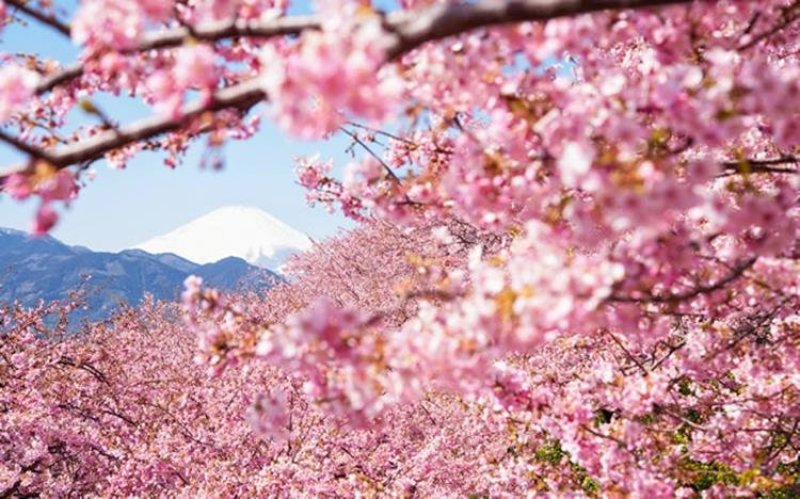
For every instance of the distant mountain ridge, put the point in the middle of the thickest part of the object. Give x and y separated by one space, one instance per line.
33 269
245 232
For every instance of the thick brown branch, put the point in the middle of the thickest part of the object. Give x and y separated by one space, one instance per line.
60 77
219 30
32 151
242 96
772 165
42 17
414 28
409 29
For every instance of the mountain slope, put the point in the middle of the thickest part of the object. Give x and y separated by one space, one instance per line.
248 233
46 269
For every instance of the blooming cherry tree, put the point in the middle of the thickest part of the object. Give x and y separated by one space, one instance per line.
578 233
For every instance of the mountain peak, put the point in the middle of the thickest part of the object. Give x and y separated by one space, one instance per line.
240 231
38 270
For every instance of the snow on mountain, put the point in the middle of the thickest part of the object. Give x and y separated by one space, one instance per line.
248 233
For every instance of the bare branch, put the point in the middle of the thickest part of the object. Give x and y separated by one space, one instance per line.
382 132
392 175
743 332
599 434
681 419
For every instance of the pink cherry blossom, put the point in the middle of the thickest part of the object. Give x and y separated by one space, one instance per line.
572 271
17 86
46 218
195 67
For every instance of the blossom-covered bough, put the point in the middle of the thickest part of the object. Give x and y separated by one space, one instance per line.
579 228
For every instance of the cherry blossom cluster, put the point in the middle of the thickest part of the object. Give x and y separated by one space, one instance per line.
333 73
49 186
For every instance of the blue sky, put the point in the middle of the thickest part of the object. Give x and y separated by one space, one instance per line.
122 208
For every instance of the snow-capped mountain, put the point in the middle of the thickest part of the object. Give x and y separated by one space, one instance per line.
248 233
43 269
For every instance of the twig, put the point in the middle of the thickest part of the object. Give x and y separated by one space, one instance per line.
788 18
372 153
735 273
627 352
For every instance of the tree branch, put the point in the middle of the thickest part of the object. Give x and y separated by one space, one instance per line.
627 352
64 75
734 274
772 165
30 150
243 96
408 29
791 14
42 17
389 172
411 28
219 30
417 27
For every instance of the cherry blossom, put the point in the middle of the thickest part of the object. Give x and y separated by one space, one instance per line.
17 86
573 272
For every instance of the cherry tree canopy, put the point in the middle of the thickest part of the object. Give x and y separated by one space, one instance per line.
600 260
